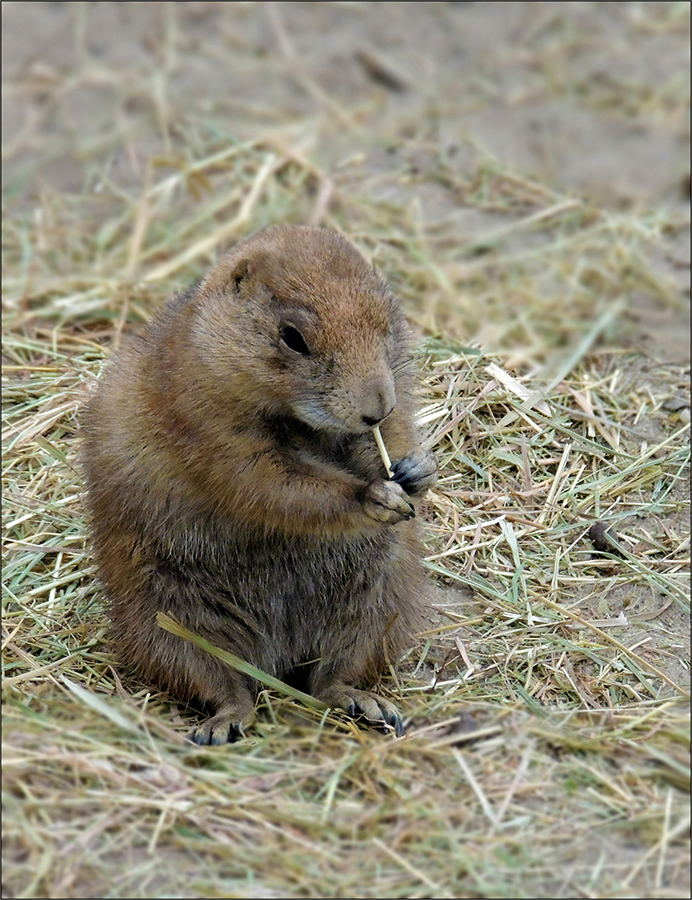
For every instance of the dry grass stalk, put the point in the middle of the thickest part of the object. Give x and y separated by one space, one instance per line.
383 451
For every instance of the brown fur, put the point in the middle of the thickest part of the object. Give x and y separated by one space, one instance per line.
234 481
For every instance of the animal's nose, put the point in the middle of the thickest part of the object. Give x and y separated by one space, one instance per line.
380 400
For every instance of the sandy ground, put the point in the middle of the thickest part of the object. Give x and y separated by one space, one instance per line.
585 97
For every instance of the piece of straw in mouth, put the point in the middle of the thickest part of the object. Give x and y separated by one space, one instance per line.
383 451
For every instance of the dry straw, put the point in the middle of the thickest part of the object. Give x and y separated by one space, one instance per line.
548 729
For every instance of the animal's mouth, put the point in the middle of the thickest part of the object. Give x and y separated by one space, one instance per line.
313 414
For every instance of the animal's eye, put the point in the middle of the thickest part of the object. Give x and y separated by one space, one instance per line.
294 340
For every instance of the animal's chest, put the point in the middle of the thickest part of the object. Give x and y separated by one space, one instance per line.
307 596
305 577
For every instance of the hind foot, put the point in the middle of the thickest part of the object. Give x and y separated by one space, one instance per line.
364 705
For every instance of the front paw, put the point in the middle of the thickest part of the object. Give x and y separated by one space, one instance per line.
416 472
386 502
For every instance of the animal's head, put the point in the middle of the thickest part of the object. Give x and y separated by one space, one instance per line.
296 322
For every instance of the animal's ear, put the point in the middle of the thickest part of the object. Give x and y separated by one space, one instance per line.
240 271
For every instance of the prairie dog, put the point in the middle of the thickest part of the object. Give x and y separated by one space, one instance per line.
235 483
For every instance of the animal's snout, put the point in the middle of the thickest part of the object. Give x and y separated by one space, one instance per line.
379 399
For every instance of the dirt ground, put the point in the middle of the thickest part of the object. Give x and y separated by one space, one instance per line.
580 95
581 98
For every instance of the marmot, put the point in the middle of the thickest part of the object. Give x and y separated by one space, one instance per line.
234 481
